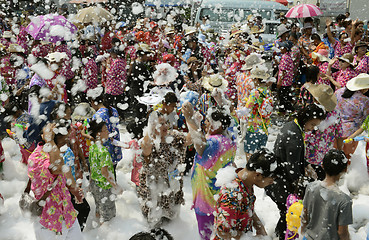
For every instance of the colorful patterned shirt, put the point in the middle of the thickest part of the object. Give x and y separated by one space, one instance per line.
320 141
99 158
352 110
323 67
219 152
339 51
255 121
342 77
116 77
363 65
58 206
234 209
89 74
69 158
286 66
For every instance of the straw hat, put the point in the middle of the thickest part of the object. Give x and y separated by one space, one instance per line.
360 44
214 81
8 34
359 82
82 111
144 48
324 94
347 57
256 30
15 48
259 72
252 60
322 54
190 30
56 56
191 60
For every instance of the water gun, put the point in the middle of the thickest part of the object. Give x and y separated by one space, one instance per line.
268 47
293 217
359 138
20 126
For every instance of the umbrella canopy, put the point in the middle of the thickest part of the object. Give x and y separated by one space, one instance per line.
51 28
93 14
303 11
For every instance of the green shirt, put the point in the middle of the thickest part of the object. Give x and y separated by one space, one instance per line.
99 157
365 124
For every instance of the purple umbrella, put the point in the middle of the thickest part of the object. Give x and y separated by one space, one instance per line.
51 28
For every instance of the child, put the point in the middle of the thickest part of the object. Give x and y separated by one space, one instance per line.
327 210
102 178
235 213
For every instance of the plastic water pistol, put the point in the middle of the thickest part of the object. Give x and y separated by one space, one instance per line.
359 138
20 126
12 134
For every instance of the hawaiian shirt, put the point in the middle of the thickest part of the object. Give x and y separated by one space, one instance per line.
78 141
58 206
100 157
116 77
363 65
244 86
339 51
255 121
352 110
234 209
90 73
319 141
323 67
69 158
342 77
286 66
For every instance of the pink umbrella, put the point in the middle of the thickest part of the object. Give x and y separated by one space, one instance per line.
51 28
303 11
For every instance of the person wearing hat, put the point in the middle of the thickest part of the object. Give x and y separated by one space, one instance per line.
193 77
321 60
322 139
347 72
353 107
304 41
361 60
285 78
7 38
283 33
257 121
317 44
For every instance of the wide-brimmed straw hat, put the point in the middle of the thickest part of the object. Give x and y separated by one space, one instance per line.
347 57
359 82
8 34
322 54
214 81
82 111
56 56
252 60
259 72
144 48
15 48
282 29
324 94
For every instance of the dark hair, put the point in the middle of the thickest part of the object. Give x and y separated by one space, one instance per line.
102 99
312 72
170 97
308 20
316 36
294 35
264 162
340 17
308 113
334 162
35 89
95 127
154 234
220 115
341 34
348 93
55 112
61 123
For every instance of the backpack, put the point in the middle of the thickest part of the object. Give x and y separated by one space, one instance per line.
266 107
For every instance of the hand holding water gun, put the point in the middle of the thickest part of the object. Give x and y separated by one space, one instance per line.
293 216
357 139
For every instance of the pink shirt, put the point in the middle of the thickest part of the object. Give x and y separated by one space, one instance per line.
363 65
116 77
342 77
286 66
90 74
58 206
323 66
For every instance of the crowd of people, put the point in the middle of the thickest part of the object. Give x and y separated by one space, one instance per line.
191 99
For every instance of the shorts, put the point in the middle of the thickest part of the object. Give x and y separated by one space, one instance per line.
104 201
254 141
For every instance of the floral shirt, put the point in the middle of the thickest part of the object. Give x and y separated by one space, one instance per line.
79 142
99 158
363 65
231 73
323 67
116 77
352 110
41 51
89 74
319 142
244 86
342 77
339 51
58 206
255 121
305 97
234 209
286 67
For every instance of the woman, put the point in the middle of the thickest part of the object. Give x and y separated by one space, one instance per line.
161 181
321 59
289 148
346 72
193 77
353 107
361 60
312 76
47 171
328 134
215 150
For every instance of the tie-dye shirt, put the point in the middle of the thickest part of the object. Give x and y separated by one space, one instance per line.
58 206
219 153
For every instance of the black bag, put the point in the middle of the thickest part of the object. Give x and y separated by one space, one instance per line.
28 203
